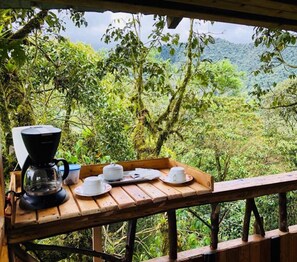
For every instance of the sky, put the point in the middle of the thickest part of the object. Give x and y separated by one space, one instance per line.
98 23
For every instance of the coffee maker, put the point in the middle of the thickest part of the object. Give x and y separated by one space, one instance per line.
41 177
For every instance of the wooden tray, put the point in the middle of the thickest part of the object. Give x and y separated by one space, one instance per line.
129 179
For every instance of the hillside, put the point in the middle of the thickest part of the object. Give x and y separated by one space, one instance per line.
244 56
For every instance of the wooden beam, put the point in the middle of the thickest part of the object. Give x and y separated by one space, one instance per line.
258 218
283 216
2 206
246 220
172 22
172 234
2 185
97 242
251 206
215 223
273 14
30 246
130 240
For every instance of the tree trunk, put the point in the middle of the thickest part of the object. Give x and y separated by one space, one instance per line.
174 108
68 104
5 123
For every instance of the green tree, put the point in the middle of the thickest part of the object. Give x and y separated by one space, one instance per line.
284 101
277 42
160 93
20 29
232 140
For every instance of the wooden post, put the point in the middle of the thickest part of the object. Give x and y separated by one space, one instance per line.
3 245
172 22
283 215
97 242
130 240
247 219
2 185
259 220
172 234
251 206
215 221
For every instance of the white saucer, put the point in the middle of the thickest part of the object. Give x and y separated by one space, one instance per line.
164 179
79 191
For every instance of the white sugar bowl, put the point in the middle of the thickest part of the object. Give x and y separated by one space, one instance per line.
113 172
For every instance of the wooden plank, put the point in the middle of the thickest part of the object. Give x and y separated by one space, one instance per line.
127 165
292 247
170 191
106 203
259 249
24 217
232 254
70 207
4 254
255 252
173 5
86 205
48 215
137 194
186 190
222 256
155 194
265 247
244 253
199 189
191 189
285 248
122 198
228 11
256 181
252 7
201 177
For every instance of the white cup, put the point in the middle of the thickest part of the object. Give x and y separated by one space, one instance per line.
177 175
93 185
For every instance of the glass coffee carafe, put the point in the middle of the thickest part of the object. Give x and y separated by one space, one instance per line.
43 180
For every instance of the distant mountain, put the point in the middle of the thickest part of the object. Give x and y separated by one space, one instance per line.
244 56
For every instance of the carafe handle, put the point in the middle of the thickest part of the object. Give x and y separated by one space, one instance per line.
66 166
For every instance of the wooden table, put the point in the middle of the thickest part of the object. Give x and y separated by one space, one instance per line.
122 203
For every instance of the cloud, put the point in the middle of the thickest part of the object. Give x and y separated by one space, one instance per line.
98 23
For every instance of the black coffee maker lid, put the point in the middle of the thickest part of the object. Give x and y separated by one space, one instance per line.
40 130
41 143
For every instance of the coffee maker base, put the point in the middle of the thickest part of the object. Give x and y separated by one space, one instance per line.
29 202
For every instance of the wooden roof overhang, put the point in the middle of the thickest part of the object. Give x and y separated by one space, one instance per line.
280 14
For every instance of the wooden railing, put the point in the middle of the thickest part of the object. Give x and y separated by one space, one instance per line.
278 245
